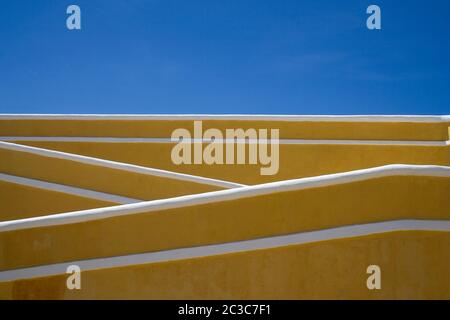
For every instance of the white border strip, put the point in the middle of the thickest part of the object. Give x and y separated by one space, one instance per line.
118 165
226 195
252 141
299 118
231 247
67 189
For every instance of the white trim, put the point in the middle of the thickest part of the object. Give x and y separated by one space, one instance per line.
259 117
231 247
226 195
118 165
251 141
85 193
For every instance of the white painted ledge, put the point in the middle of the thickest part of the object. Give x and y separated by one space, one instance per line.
85 193
231 247
250 141
118 165
297 118
226 195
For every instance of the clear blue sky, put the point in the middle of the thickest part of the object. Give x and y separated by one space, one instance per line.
229 56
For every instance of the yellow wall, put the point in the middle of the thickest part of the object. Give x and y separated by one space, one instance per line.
414 265
20 201
296 161
381 199
85 176
288 129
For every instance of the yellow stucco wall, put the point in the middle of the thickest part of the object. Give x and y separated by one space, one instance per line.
374 200
97 178
296 161
288 129
20 201
414 265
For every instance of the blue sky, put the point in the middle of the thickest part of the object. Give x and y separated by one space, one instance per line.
229 56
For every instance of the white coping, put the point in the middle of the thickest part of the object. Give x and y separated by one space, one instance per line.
251 141
118 165
313 118
231 247
226 195
67 189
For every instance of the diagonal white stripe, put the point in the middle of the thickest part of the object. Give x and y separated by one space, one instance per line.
117 165
226 195
231 247
67 189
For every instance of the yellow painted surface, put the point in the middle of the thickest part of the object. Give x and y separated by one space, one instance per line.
381 199
288 129
414 265
296 161
97 178
20 201
6 290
